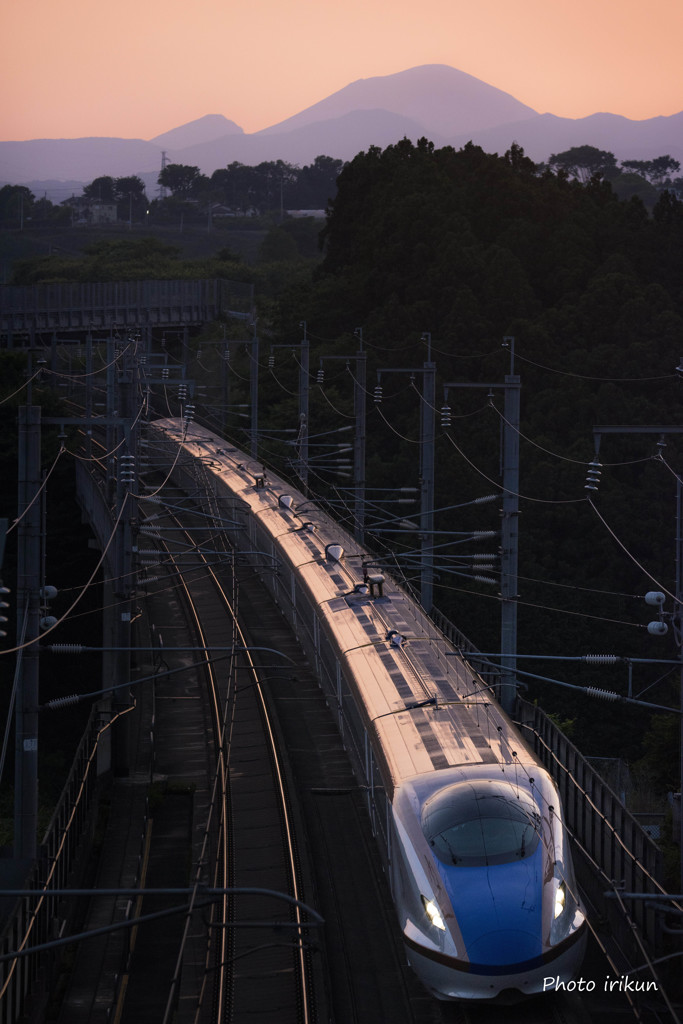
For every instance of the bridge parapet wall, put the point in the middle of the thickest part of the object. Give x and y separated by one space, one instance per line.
48 307
616 850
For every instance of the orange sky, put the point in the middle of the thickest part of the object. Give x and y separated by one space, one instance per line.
136 69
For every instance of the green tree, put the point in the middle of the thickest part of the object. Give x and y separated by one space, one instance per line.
658 171
16 204
316 184
235 186
584 162
183 180
100 190
130 197
44 212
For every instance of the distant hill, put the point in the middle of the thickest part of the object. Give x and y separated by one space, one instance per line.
546 134
444 101
441 103
204 129
341 137
74 159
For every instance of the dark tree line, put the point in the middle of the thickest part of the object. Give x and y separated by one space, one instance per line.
277 186
238 190
584 162
271 185
471 248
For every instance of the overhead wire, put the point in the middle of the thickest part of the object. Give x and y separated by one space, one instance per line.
583 376
22 387
410 440
628 553
345 415
556 455
526 497
541 607
82 592
55 373
39 491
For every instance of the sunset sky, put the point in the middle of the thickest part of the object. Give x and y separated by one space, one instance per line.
135 70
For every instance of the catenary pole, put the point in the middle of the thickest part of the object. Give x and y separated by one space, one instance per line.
28 627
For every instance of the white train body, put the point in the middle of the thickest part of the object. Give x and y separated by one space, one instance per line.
469 822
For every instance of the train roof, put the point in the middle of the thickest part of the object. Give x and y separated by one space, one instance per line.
426 706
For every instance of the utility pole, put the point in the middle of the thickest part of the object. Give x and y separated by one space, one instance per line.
304 392
359 440
28 631
427 433
117 665
510 534
509 530
359 395
677 614
426 533
304 400
253 390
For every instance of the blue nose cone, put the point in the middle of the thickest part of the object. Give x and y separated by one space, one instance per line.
503 946
499 912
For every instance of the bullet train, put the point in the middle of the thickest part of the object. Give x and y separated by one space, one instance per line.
468 821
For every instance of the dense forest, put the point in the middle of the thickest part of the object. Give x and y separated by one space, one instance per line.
444 254
471 248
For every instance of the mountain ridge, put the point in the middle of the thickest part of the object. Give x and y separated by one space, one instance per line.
435 101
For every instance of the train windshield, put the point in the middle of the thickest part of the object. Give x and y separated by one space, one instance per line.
475 823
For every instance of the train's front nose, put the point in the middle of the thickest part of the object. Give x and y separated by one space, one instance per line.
503 946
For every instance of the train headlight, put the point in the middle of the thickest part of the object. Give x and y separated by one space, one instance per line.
433 914
564 911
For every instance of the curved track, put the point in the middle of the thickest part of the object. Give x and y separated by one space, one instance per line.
248 840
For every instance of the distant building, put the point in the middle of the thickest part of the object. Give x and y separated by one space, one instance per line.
90 211
318 214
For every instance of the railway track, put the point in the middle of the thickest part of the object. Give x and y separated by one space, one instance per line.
248 840
230 973
250 976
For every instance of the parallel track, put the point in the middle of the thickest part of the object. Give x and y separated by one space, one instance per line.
246 750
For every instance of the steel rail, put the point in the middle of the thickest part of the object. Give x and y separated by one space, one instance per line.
219 798
230 602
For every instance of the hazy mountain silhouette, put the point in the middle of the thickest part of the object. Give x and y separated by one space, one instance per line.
443 100
204 129
340 137
441 103
546 134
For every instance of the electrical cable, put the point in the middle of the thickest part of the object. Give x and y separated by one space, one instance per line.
660 458
525 497
54 860
76 377
40 490
294 394
541 607
632 557
22 387
410 440
573 586
555 455
84 589
581 376
344 415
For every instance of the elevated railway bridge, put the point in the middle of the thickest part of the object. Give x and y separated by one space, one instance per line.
614 854
31 315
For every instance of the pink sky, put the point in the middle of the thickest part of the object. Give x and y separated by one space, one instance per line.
137 69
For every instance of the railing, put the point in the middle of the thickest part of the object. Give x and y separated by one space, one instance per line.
613 844
33 921
49 307
601 825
